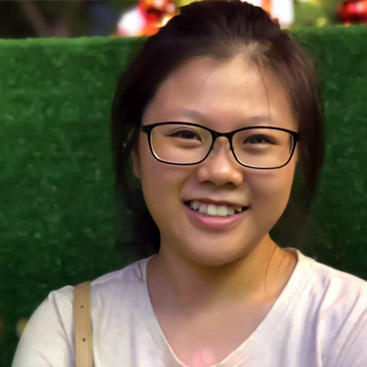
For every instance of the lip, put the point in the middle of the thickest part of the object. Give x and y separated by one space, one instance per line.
214 223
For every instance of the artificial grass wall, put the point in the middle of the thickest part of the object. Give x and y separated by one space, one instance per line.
56 180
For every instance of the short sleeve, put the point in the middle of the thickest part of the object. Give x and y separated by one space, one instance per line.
350 346
48 337
354 350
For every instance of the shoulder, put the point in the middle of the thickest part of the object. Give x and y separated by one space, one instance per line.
335 286
129 276
332 291
110 287
338 303
319 291
48 337
107 285
120 289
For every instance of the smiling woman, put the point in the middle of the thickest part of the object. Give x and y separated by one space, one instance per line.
223 95
216 112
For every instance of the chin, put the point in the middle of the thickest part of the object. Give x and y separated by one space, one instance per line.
212 253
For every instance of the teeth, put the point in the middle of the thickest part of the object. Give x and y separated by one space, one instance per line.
212 210
215 210
230 211
195 204
202 208
222 210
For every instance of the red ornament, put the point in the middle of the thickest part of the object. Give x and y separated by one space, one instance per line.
156 12
146 18
353 11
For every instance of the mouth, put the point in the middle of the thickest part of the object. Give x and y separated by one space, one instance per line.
214 210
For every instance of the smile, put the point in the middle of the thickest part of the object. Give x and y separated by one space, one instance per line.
213 210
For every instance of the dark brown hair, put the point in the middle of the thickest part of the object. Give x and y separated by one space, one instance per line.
220 29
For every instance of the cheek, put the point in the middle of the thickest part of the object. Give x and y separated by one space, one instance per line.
153 191
161 185
161 192
271 189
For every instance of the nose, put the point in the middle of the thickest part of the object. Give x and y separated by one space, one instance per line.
220 167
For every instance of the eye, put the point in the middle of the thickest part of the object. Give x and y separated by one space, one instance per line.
258 139
187 134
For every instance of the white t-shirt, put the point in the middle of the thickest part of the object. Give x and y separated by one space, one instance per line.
320 319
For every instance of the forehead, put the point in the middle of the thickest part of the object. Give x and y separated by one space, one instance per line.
222 94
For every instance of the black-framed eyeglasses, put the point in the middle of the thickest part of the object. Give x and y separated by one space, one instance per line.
185 143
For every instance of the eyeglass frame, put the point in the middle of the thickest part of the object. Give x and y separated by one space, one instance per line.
215 134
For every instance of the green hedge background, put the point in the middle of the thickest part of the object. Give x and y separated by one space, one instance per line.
56 179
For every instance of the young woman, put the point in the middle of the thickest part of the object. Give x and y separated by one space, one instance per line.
215 112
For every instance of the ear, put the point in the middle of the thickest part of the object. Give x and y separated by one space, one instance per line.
136 163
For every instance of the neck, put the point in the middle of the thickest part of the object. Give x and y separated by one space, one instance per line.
184 285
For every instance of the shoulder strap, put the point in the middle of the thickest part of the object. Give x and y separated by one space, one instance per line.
83 326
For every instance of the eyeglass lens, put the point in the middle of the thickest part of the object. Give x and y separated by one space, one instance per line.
255 147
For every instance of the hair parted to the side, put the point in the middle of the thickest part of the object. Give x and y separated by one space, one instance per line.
219 29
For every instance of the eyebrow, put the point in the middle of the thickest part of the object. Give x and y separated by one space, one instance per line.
249 121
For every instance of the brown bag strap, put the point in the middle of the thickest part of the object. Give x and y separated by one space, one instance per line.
83 326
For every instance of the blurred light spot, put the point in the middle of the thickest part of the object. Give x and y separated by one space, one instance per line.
321 22
158 3
171 8
204 357
208 356
165 20
132 22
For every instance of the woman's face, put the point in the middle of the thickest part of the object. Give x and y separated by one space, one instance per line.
224 96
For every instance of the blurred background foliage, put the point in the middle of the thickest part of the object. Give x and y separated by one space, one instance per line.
315 13
74 18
